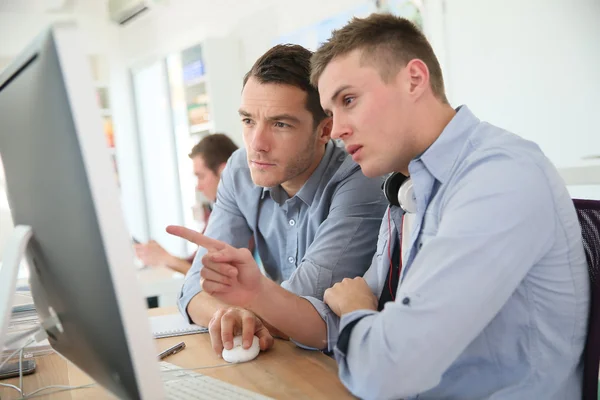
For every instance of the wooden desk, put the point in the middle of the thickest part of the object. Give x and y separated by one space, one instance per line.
285 371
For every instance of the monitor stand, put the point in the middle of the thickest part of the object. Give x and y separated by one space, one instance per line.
13 254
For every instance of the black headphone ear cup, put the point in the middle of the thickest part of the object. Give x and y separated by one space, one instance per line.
391 187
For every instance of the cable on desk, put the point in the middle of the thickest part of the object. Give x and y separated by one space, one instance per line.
15 352
193 369
20 351
8 385
33 394
21 369
196 368
63 388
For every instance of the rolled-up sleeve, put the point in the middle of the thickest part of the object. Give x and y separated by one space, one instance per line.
345 241
497 223
331 320
372 278
226 223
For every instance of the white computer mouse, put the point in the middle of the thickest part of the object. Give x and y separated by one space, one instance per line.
238 354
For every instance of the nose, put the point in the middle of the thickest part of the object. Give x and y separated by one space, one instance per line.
261 138
340 129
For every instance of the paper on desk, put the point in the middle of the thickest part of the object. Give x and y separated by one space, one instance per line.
173 325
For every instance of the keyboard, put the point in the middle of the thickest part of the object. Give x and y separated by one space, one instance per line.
189 385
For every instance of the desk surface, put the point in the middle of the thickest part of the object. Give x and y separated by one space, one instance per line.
285 371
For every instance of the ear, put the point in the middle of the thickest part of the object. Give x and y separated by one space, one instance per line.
220 169
324 130
418 77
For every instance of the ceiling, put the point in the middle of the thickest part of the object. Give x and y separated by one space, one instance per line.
203 11
52 6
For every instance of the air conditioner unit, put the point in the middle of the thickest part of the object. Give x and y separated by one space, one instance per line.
124 11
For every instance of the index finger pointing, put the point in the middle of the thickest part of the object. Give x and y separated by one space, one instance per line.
196 237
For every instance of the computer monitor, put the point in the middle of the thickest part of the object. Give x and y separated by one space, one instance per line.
61 183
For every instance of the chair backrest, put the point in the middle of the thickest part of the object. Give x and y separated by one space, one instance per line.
588 212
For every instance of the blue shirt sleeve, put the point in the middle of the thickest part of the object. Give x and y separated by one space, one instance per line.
371 277
496 224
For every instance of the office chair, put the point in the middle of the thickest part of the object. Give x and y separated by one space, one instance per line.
588 212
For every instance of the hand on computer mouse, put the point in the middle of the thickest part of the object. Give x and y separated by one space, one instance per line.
233 321
238 354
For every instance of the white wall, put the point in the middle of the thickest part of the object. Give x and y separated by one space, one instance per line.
531 67
182 23
259 30
17 30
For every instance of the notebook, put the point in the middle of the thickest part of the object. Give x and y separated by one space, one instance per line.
173 325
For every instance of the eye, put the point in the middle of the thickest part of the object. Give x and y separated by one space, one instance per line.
246 121
280 124
348 100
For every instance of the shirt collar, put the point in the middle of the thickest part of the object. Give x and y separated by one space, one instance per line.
308 190
443 153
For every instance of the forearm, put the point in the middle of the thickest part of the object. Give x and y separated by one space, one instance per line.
290 314
179 265
202 308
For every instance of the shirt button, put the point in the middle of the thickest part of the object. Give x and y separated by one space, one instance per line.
292 222
420 245
290 260
406 301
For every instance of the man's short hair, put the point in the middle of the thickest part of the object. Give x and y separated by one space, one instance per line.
215 150
289 64
387 42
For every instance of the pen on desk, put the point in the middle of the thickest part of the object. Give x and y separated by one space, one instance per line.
172 350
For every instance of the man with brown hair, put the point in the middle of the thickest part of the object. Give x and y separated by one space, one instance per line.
479 288
209 157
488 295
311 211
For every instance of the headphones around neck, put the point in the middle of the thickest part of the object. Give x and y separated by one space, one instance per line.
398 190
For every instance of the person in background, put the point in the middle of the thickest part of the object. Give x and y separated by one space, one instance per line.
209 157
487 296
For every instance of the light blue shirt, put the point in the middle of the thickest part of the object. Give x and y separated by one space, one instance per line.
326 232
494 295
